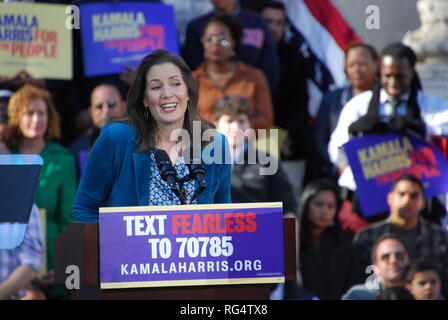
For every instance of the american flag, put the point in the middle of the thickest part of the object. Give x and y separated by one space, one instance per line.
320 33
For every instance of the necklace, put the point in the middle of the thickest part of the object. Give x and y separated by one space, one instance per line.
220 76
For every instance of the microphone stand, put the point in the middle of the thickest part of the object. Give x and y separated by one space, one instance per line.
176 185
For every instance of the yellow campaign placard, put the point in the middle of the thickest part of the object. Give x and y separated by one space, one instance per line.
34 38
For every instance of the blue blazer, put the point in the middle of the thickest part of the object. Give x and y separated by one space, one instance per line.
117 176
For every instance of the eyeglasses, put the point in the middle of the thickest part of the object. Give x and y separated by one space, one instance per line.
110 104
399 255
219 39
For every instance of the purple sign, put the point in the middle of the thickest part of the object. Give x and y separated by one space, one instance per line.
116 34
378 160
191 245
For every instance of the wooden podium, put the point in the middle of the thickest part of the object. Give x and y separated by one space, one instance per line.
79 245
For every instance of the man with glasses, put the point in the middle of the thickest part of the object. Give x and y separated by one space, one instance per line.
423 238
106 104
390 259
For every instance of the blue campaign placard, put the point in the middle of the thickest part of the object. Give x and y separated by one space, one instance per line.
377 160
122 33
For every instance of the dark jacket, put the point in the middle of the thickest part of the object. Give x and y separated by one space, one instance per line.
290 100
431 243
248 185
330 269
326 121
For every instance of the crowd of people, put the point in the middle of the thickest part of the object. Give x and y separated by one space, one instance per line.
101 139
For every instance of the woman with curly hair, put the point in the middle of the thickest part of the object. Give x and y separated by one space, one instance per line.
34 125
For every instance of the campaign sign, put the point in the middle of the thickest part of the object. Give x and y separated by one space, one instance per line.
191 245
34 37
377 160
115 34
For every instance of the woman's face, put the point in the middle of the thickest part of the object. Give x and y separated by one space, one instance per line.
218 43
166 94
322 209
34 120
361 69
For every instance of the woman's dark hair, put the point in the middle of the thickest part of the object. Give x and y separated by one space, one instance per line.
234 25
146 129
310 191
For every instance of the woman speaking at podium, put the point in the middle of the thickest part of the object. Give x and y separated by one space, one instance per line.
141 161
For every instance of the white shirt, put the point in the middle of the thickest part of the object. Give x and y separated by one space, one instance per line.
433 111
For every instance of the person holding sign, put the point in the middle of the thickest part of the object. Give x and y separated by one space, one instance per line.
396 104
131 163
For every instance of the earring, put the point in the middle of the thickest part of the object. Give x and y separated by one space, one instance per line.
146 113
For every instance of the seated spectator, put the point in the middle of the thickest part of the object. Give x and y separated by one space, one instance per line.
34 124
257 47
19 266
390 259
423 238
232 118
329 262
395 293
221 74
423 280
105 105
361 67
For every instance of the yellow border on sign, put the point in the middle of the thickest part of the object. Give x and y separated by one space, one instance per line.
196 207
175 283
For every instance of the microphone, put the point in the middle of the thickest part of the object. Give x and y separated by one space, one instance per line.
168 173
197 171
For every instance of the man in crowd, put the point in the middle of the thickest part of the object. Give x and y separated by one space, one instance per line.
424 239
106 104
389 258
397 104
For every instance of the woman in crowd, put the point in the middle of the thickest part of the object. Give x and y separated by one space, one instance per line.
34 125
328 260
122 168
221 74
361 67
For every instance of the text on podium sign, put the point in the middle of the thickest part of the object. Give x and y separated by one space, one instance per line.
191 245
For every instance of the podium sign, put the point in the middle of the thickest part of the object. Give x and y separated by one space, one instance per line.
165 246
